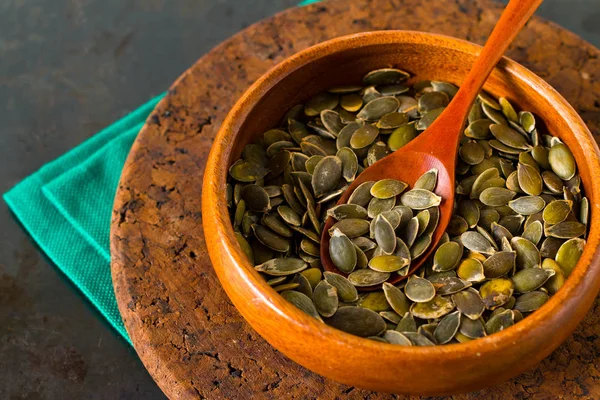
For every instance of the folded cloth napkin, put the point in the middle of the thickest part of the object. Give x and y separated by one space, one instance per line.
66 207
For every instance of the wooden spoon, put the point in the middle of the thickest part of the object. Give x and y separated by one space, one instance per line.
438 145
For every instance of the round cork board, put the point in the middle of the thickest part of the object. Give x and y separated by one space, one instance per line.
185 330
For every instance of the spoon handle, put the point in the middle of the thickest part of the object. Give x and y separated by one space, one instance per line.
513 19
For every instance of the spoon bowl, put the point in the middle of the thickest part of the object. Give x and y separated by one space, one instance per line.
407 168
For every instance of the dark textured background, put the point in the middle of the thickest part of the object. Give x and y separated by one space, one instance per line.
67 69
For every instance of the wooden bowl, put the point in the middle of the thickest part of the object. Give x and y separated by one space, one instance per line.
360 362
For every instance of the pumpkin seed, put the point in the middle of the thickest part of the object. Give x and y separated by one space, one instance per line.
531 301
325 298
496 292
527 205
313 275
302 302
351 227
367 277
420 199
401 136
385 76
377 108
437 307
475 241
528 255
568 254
562 161
357 321
395 337
419 290
499 321
557 280
447 257
533 232
281 266
565 230
471 270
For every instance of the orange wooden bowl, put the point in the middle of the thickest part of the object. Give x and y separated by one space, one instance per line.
360 362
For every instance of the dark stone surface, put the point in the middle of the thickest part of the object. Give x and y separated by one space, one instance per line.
67 69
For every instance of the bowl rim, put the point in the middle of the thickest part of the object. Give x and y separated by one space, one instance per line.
588 266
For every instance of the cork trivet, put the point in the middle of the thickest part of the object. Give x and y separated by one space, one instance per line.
188 335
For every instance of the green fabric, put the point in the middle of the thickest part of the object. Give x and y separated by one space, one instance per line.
66 207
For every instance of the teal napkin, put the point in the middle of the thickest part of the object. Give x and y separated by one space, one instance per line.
66 207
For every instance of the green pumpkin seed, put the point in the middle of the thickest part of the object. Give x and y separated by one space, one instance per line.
479 129
499 264
508 110
419 290
396 299
568 254
377 108
401 136
472 328
385 76
349 163
562 161
499 321
550 247
390 316
351 227
246 248
320 102
395 337
496 196
351 102
556 211
528 255
420 199
447 328
531 301
392 120
325 298
431 101
326 175
386 188
377 206
475 241
565 230
427 119
534 232
302 302
494 114
530 180
471 153
531 279
423 217
509 137
471 270
447 257
281 266
357 321
375 301
527 205
367 277
247 171
313 275
342 252
277 225
496 292
362 194
344 211
388 263
557 280
512 223
364 136
420 246
469 303
271 239
437 307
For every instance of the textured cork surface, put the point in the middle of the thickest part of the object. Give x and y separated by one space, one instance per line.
187 333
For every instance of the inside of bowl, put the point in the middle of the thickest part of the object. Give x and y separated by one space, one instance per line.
443 61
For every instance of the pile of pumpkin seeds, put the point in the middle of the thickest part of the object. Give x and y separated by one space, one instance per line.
517 230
